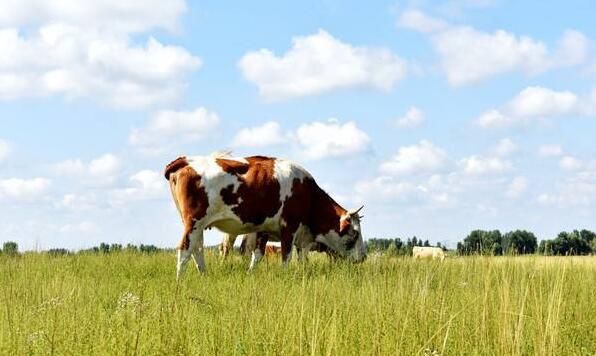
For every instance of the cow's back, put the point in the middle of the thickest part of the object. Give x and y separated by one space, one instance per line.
253 188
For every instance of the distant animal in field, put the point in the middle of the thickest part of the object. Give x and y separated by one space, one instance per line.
251 242
258 195
436 253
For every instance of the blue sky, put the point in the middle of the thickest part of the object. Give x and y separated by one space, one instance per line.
439 116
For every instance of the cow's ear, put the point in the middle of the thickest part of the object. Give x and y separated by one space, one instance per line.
344 224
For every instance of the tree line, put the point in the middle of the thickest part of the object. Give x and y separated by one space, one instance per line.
493 242
12 248
477 242
397 247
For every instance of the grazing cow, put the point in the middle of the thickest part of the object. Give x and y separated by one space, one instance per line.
436 253
258 194
272 250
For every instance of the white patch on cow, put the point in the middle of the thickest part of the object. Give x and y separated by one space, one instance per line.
285 172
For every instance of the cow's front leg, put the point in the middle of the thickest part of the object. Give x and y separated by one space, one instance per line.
302 253
227 245
287 240
197 249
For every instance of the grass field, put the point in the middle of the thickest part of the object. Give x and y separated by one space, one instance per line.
127 303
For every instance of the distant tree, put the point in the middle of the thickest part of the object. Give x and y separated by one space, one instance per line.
131 247
10 248
115 247
569 243
519 242
148 248
58 252
588 236
104 247
391 250
426 243
481 242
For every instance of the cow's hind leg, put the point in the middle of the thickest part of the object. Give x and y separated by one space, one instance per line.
198 250
191 244
227 244
258 250
184 251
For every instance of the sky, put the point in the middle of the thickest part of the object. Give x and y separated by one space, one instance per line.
439 116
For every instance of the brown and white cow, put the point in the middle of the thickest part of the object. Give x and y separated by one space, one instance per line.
258 194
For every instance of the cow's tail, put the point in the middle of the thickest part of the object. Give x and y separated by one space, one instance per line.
171 168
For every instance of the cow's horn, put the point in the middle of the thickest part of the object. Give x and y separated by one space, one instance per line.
355 212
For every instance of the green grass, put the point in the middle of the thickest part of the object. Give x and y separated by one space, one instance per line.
131 304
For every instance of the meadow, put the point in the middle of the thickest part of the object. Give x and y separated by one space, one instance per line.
129 303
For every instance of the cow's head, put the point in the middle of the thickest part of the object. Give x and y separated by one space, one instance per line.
348 243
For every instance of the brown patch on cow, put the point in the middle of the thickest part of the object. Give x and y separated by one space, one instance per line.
257 196
231 166
175 165
192 199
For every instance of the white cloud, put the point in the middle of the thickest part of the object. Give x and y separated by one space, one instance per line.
5 149
129 16
268 134
81 227
23 189
61 59
320 63
386 188
517 186
537 103
542 102
103 169
573 49
469 55
413 117
146 184
419 21
148 179
105 165
576 190
571 163
319 140
170 127
433 190
494 118
78 202
550 150
423 157
505 147
476 165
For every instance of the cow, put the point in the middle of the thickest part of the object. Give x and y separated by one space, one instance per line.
428 252
258 241
272 250
258 194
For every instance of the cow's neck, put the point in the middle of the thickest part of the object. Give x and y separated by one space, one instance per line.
326 212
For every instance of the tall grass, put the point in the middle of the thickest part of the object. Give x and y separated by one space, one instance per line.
129 303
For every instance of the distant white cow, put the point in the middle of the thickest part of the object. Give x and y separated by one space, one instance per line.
436 253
